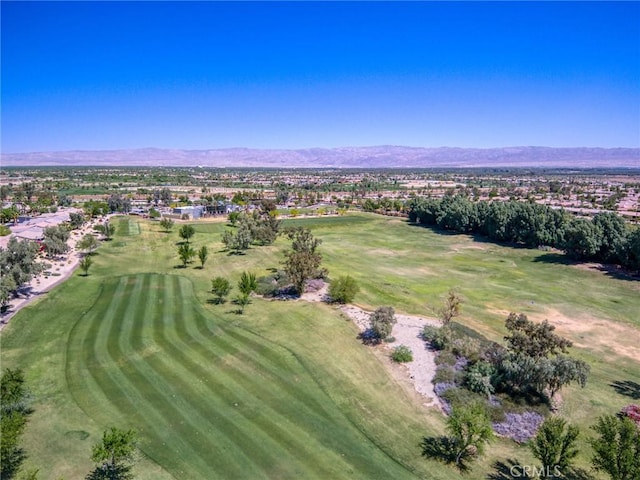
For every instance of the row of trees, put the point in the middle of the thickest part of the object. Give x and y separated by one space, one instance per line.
18 266
604 238
261 227
616 447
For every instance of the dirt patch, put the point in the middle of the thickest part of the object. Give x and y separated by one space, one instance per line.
595 333
609 269
316 291
406 332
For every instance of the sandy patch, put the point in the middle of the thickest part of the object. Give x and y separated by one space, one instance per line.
595 333
407 332
589 332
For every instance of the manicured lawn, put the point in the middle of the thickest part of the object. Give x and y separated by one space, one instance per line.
285 390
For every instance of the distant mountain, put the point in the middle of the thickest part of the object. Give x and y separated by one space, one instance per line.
346 157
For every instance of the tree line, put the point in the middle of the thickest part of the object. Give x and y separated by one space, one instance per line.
604 238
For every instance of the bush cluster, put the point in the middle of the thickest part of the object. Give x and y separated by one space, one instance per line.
402 354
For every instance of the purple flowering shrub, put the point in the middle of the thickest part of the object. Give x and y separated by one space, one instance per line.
632 412
519 427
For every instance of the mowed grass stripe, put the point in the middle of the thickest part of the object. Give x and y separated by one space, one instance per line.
257 409
226 452
81 363
287 403
120 394
154 387
145 349
254 437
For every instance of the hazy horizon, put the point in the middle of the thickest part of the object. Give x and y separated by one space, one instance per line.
296 75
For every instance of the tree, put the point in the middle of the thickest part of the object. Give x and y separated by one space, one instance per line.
29 190
55 240
118 203
583 239
562 370
186 253
382 322
186 232
85 264
614 233
233 218
88 243
242 301
203 254
167 224
76 220
106 229
617 449
631 251
17 266
451 308
555 445
14 409
239 241
302 262
9 214
114 455
470 429
531 339
247 283
343 289
220 287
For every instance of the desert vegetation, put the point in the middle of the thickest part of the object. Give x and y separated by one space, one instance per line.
228 356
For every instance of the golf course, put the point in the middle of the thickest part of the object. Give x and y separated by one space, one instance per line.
286 389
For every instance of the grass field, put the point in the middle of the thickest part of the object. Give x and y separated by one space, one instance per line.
286 390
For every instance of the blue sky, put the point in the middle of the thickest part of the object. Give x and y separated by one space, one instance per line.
197 75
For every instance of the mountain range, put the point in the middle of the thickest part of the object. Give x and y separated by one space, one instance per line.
344 157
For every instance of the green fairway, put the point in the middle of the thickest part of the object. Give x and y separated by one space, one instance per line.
286 390
210 401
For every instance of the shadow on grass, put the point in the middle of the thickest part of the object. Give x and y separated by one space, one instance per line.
627 388
444 450
216 301
608 269
507 470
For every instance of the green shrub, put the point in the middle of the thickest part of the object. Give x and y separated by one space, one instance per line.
462 396
467 347
478 378
267 286
438 337
4 231
446 358
402 354
343 289
445 374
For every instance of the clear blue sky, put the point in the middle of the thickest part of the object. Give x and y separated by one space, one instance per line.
88 75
